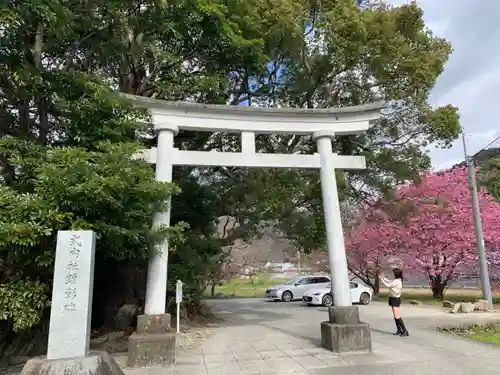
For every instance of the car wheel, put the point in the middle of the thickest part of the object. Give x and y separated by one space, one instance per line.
364 298
287 296
327 300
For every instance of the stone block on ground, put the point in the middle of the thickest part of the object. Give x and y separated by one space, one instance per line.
342 338
110 336
151 349
98 340
112 342
343 314
95 363
481 305
153 323
448 304
113 336
153 344
463 308
125 316
344 332
467 307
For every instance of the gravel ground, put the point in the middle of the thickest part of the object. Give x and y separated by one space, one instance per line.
194 337
193 333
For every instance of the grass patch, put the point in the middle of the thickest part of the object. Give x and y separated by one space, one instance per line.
243 288
489 333
425 295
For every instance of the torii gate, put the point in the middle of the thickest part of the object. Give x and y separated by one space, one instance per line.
343 331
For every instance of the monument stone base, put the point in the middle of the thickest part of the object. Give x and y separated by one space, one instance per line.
95 363
344 332
153 344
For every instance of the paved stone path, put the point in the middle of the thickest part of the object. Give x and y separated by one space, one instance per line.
269 338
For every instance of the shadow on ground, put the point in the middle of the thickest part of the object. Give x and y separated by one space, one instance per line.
289 332
248 315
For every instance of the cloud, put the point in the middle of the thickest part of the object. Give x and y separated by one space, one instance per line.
471 78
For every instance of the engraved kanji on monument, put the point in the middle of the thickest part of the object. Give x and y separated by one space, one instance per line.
71 310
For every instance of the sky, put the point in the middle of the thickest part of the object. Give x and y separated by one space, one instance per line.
471 78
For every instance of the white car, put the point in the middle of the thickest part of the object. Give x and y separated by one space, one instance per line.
295 288
360 293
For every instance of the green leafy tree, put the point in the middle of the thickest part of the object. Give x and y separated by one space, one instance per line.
184 51
198 259
66 159
72 188
68 139
350 57
489 176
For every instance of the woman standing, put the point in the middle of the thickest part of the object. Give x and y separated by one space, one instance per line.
395 288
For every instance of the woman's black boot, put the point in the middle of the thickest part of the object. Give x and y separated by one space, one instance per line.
404 331
399 331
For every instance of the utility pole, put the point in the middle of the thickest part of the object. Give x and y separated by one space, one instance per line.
478 227
298 262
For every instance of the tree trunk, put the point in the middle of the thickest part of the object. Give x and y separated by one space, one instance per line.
16 347
212 290
437 286
376 283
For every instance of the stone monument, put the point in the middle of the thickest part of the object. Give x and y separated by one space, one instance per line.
71 311
343 331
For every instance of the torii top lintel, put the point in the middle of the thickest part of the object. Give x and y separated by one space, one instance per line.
237 119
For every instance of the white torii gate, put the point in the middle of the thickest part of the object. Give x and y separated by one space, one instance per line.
322 124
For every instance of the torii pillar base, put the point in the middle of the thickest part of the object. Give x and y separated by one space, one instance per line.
344 332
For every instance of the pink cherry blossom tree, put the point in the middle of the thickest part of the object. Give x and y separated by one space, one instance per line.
370 245
429 227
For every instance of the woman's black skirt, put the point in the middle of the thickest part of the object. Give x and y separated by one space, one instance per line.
394 301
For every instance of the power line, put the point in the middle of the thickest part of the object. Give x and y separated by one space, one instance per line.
481 149
489 144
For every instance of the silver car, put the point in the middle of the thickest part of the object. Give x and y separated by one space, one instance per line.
295 288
